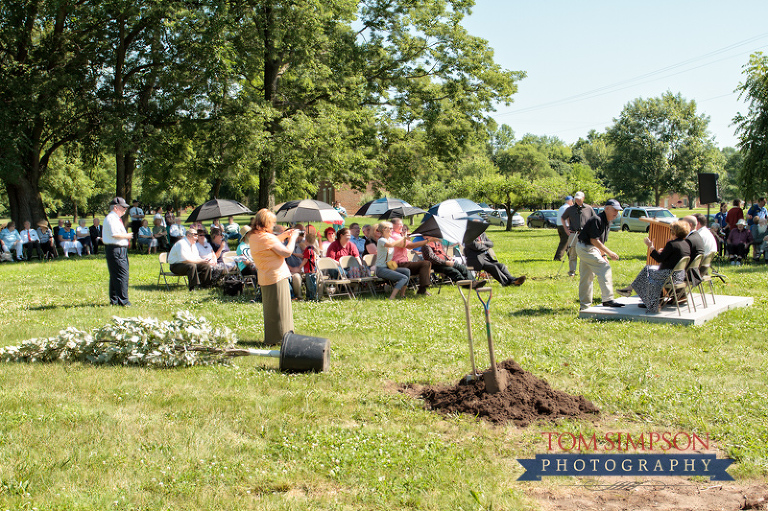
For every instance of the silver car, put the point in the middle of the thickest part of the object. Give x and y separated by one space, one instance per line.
630 218
499 217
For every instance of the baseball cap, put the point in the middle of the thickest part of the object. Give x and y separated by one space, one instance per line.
119 201
614 204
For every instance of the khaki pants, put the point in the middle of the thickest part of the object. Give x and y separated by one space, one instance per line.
571 249
593 264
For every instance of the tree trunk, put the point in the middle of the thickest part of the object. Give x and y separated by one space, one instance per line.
126 165
25 201
266 182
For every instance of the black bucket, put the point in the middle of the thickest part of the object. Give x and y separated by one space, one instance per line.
302 353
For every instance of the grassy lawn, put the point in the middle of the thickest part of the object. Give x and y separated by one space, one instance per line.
248 437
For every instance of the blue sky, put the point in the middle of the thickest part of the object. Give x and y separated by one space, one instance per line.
586 60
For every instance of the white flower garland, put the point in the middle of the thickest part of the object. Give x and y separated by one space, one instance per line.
185 341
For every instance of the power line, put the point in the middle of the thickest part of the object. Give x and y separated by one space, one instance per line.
632 82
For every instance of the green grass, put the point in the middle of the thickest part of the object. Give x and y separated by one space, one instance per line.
248 437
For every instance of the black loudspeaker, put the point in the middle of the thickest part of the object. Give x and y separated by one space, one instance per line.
708 188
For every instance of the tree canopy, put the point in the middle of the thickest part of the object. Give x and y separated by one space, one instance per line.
752 127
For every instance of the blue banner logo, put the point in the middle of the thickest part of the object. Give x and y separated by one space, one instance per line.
625 465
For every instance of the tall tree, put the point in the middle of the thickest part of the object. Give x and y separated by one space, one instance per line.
48 73
660 144
752 126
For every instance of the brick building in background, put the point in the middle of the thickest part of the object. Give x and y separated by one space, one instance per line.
349 198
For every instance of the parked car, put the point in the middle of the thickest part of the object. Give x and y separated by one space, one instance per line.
630 218
499 217
543 218
616 224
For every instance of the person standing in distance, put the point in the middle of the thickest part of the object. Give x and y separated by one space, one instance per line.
116 240
561 230
593 254
137 216
574 218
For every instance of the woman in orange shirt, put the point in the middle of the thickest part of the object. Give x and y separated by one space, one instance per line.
269 254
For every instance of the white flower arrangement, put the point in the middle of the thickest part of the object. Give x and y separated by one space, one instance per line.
186 341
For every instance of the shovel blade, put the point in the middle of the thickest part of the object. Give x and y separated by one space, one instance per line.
495 382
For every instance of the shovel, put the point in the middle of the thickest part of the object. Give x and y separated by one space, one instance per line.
495 380
474 375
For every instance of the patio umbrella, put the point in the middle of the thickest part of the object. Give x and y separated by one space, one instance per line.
455 208
217 208
454 231
387 207
308 210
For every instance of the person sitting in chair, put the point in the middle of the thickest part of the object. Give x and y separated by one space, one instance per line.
650 281
31 240
185 260
434 252
480 256
739 240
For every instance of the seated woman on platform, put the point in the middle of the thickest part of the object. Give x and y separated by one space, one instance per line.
650 281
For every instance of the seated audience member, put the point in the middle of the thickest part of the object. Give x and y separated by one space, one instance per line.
47 241
717 233
160 234
30 240
309 265
170 218
146 238
330 237
343 246
95 231
739 240
277 230
220 248
232 230
650 281
385 252
184 259
246 266
11 240
59 226
721 215
756 211
159 216
216 224
372 240
434 252
400 231
759 231
197 226
84 236
355 238
480 256
176 231
68 241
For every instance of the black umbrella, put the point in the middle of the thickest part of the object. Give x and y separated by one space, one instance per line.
387 207
455 231
218 208
308 210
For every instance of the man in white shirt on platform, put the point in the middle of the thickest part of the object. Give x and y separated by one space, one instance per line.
185 260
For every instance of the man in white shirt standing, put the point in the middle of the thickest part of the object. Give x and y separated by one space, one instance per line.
137 216
116 240
185 260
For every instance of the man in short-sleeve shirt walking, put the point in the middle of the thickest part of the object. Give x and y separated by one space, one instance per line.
593 254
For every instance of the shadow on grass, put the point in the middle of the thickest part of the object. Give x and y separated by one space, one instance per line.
69 306
541 311
261 345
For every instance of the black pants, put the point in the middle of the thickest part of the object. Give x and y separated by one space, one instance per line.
29 246
117 264
563 242
456 272
135 226
198 274
494 268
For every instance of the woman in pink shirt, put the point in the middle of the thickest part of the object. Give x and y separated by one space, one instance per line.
269 254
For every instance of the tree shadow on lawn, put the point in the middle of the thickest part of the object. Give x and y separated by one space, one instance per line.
68 306
540 311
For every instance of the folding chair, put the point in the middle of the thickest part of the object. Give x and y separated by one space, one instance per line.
332 287
671 287
163 259
351 266
694 265
705 269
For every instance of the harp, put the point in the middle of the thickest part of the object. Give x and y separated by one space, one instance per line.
659 233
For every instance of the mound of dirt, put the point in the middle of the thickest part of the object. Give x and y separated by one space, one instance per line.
525 400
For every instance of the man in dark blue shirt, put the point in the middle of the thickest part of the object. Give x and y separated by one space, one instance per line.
593 254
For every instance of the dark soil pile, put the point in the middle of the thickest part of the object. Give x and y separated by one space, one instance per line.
525 400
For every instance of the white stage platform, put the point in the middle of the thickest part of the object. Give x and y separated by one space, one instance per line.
631 311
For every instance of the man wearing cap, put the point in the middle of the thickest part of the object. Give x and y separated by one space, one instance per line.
574 218
561 230
592 251
116 240
137 216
